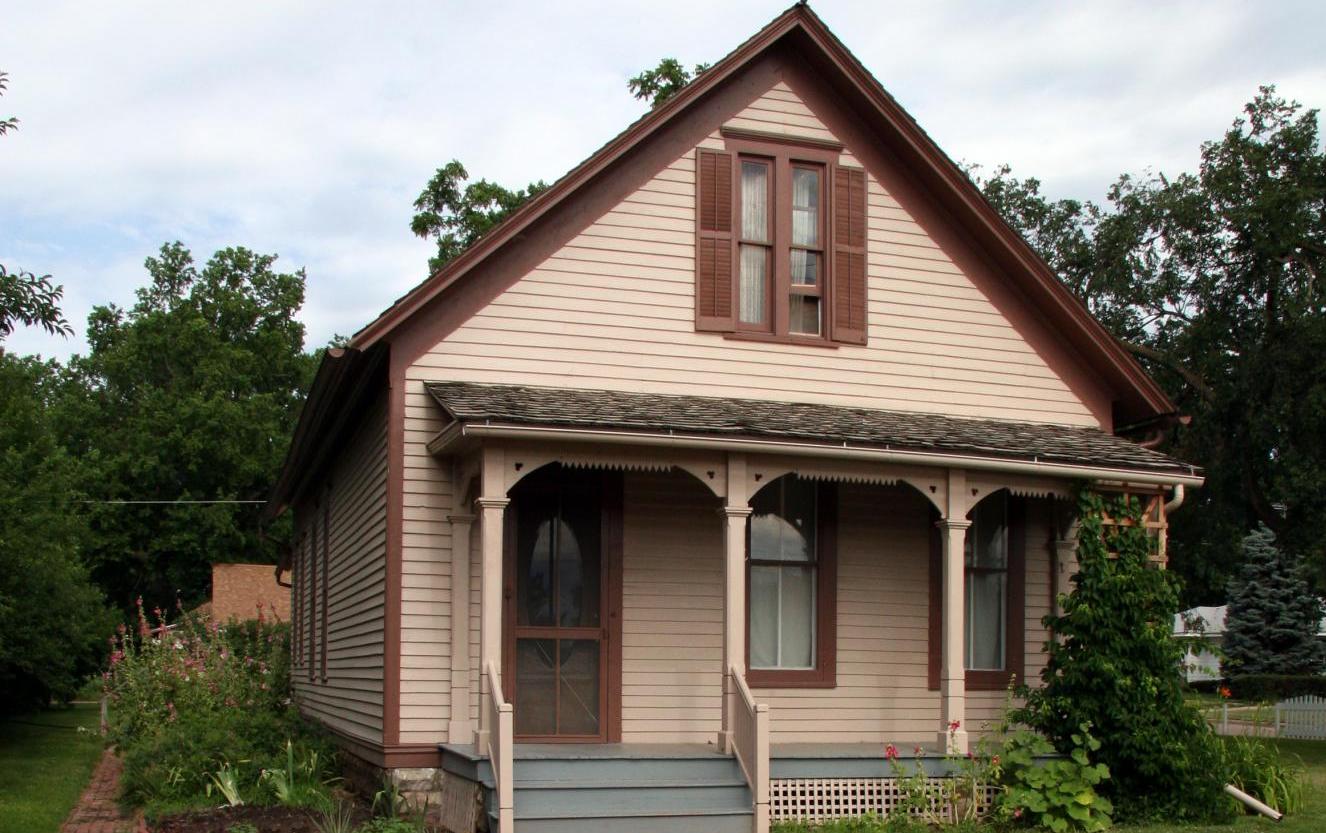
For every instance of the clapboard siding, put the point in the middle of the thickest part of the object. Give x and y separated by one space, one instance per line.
672 646
613 309
425 583
350 700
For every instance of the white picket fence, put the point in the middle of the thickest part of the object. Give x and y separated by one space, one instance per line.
1301 717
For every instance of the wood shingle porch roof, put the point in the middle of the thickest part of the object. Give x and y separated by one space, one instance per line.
831 425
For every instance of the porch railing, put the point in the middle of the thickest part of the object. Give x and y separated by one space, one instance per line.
750 742
501 749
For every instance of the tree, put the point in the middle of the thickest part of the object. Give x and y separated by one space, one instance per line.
26 298
1113 664
1213 280
10 123
457 216
54 621
1273 617
190 395
663 81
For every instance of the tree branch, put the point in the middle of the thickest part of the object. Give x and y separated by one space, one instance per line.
1196 382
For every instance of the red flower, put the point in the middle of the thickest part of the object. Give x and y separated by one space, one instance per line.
891 752
1225 692
955 725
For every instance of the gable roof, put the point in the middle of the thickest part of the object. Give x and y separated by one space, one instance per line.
1139 398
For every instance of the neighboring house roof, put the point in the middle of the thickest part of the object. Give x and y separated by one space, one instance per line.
239 589
1212 621
836 426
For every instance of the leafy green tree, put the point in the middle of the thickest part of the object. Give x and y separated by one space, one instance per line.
1213 280
53 620
1114 666
1273 617
190 395
26 298
663 81
456 215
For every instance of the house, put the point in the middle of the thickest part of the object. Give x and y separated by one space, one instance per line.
740 452
246 591
1202 630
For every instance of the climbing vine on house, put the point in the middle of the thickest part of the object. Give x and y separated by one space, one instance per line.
1113 667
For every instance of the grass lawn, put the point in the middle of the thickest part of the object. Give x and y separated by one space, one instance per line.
45 763
1310 819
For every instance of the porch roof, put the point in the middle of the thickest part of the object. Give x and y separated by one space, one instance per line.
831 425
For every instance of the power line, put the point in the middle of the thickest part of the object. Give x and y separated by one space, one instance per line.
166 502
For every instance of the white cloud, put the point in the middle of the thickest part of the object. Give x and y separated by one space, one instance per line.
307 129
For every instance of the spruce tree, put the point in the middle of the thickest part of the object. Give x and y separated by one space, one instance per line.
1273 618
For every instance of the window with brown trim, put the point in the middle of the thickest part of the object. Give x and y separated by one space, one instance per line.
781 242
326 578
791 581
994 595
312 595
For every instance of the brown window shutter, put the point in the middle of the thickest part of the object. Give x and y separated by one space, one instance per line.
849 255
713 243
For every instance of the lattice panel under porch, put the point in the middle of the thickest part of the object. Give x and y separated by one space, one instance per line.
820 799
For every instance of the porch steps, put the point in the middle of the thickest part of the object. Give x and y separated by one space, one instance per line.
615 787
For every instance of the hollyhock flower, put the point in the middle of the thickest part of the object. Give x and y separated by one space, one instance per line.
955 725
891 752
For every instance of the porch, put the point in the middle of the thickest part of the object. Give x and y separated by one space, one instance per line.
657 662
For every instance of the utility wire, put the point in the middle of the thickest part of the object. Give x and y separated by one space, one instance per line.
138 502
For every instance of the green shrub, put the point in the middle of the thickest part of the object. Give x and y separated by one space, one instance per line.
197 706
1113 665
1058 794
1268 687
1264 772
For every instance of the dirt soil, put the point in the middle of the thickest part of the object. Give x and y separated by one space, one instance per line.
265 819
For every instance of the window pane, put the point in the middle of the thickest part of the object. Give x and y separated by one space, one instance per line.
796 642
805 207
763 616
782 524
534 563
754 284
805 268
578 565
755 202
535 677
990 531
804 315
578 703
985 621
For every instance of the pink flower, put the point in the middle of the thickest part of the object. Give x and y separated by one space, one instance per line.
995 760
918 750
891 752
955 725
1017 814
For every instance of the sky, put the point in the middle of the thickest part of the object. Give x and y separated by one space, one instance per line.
307 129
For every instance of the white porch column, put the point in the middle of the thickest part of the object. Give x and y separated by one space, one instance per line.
953 679
460 728
736 513
492 514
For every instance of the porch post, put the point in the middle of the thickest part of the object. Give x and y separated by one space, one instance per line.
492 513
460 728
952 681
736 511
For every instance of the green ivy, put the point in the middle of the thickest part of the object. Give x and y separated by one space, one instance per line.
1113 665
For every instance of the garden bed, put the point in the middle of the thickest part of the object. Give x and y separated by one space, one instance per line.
264 819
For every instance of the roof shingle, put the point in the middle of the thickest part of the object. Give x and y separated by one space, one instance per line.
471 403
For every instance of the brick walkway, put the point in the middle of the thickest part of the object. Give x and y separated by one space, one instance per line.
97 810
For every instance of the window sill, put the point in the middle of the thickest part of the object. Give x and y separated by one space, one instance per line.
791 679
773 339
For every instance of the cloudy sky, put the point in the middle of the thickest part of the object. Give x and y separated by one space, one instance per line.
307 129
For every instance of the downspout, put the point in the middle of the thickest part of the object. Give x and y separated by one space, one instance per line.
1176 501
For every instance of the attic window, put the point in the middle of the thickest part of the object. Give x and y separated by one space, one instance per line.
780 243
